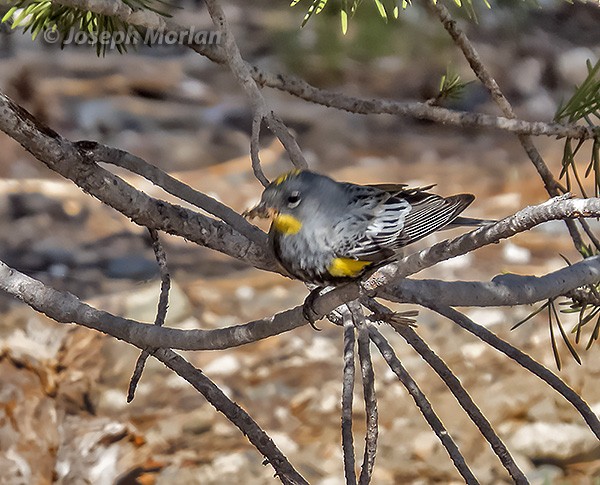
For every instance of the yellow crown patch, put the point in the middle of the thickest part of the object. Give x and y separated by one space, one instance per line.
282 178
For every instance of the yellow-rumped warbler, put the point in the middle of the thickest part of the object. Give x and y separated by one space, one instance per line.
327 232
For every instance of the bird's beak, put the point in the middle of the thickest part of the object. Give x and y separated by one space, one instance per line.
261 210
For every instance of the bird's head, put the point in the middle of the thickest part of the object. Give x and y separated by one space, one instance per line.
291 199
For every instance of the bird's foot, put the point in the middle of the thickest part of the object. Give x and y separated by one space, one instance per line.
308 309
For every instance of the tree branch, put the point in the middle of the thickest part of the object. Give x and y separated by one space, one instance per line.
257 121
422 111
459 392
525 219
241 72
553 187
368 380
67 308
240 418
72 162
423 404
522 359
303 90
64 307
348 397
561 207
161 311
503 290
139 166
28 289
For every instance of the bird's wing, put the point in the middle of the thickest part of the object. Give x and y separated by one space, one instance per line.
396 217
430 212
416 194
399 189
373 221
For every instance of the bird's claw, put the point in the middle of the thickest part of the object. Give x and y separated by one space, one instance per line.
308 309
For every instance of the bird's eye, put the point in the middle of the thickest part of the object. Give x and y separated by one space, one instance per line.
293 199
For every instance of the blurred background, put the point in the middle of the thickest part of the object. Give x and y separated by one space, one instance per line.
63 411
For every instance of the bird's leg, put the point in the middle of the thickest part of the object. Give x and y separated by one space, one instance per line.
308 310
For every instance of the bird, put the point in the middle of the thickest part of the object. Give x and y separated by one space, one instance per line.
327 232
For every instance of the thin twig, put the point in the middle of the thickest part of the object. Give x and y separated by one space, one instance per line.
348 397
553 187
161 311
461 394
255 148
303 90
120 158
522 359
590 234
422 111
241 72
368 380
234 413
74 163
289 142
423 404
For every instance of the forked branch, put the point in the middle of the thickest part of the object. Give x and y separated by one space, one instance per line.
348 397
142 335
553 187
76 162
423 404
161 311
454 385
241 72
303 90
522 359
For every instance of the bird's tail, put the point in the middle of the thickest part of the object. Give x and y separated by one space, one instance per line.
469 221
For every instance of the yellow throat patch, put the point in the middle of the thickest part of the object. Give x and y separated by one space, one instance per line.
347 267
286 224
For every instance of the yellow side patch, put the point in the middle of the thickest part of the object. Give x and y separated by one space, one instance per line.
282 178
286 224
347 267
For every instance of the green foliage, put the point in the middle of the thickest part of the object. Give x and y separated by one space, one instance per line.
387 9
553 318
347 8
582 107
329 54
585 303
451 87
40 16
585 102
586 313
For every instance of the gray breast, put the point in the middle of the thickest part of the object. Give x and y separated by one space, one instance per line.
305 256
